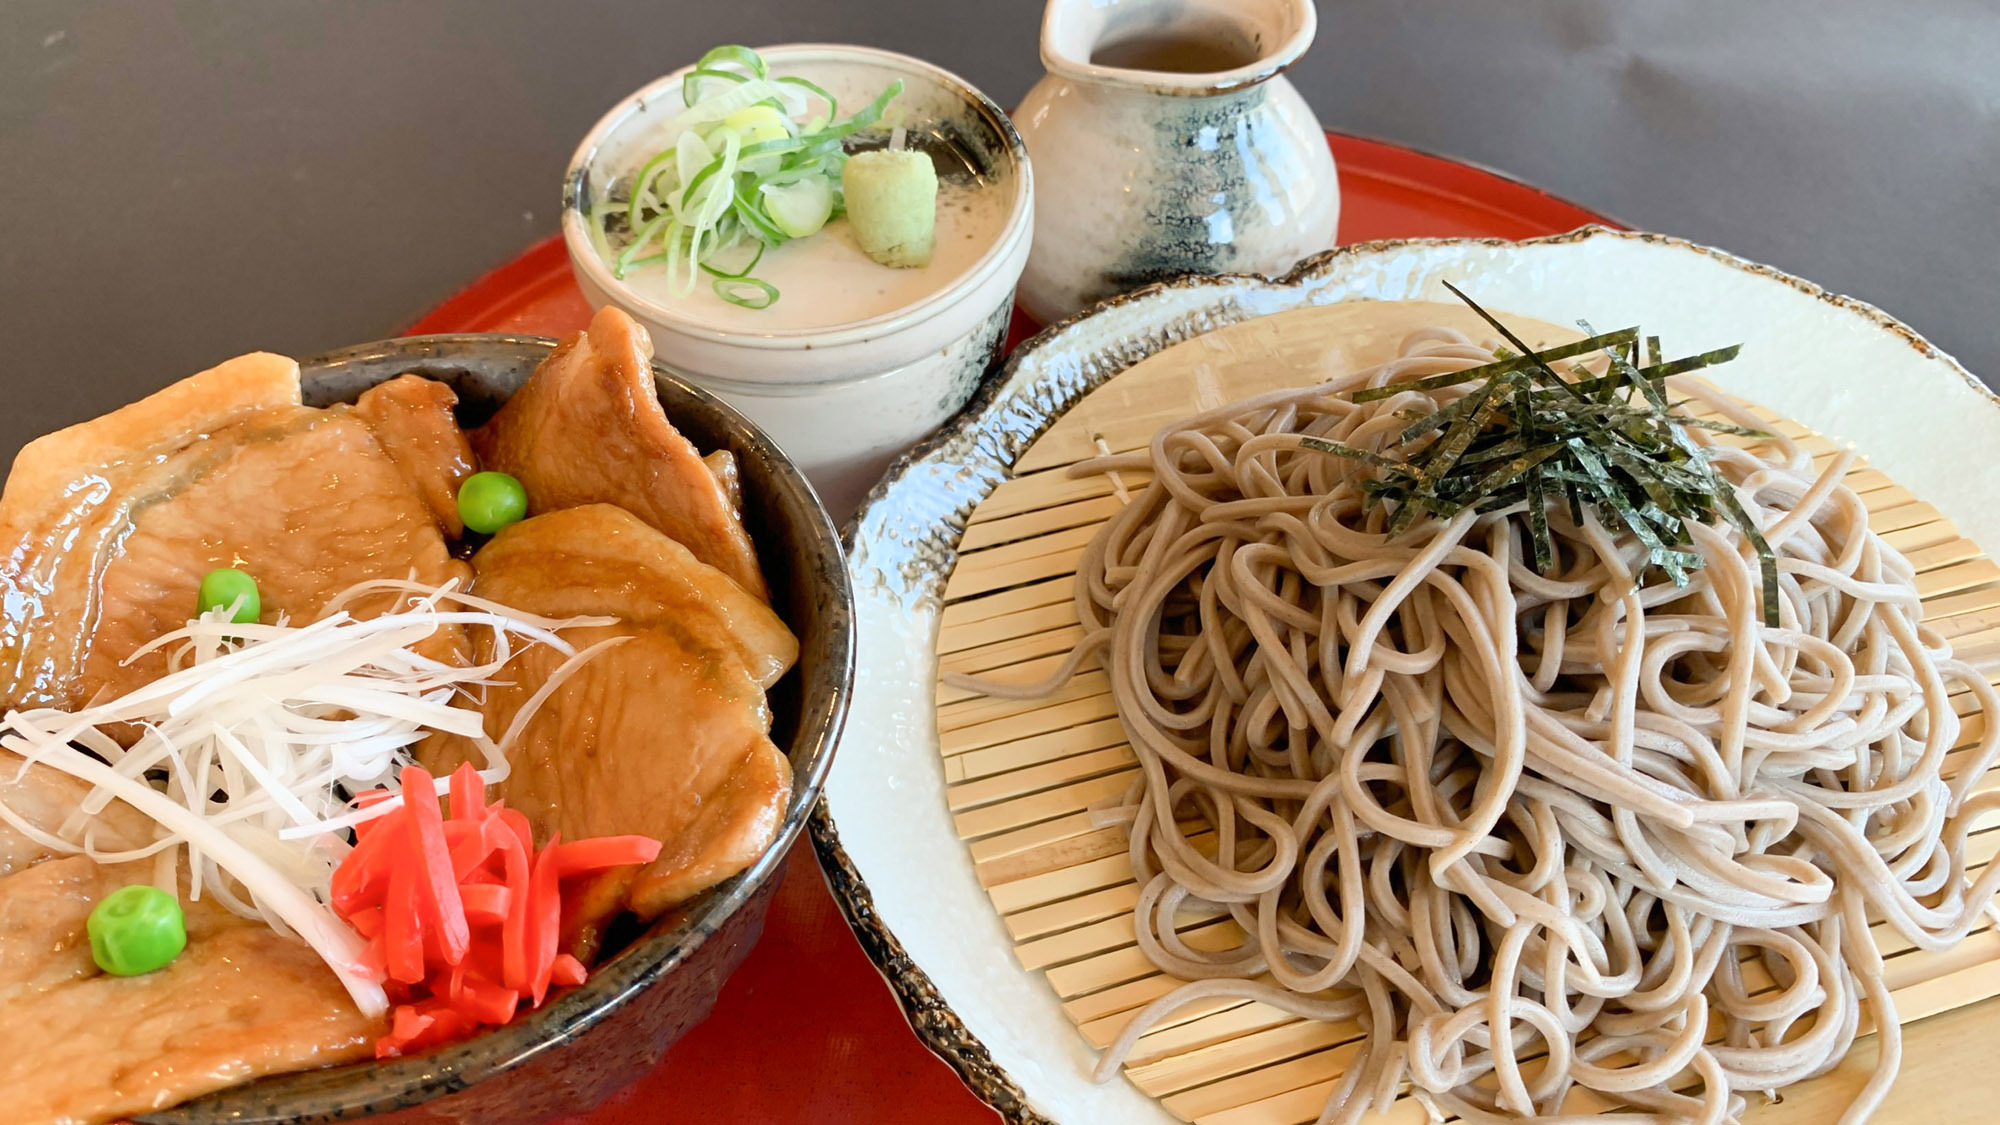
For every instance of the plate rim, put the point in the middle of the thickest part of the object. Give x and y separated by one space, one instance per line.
936 1025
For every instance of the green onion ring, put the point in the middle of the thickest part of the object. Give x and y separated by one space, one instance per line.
753 217
639 241
765 148
699 178
691 83
726 288
743 273
641 185
740 55
705 67
832 103
866 118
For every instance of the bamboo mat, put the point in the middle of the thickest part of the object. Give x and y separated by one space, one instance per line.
1022 774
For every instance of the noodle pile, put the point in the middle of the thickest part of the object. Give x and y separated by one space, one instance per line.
1526 831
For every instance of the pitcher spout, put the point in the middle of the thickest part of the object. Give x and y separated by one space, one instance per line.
1185 47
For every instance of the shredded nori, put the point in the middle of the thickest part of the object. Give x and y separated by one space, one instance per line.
1528 435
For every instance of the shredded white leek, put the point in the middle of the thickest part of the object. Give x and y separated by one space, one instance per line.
249 748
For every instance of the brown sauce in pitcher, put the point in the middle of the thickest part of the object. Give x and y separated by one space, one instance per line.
1189 51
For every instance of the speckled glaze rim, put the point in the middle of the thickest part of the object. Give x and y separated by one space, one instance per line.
936 1024
381 1087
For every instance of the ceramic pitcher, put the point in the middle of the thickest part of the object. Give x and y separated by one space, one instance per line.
1166 141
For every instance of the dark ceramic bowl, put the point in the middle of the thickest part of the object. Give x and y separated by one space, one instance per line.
576 1050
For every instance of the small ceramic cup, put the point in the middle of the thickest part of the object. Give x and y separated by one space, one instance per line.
1167 142
844 400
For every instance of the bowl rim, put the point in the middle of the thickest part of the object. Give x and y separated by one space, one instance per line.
667 943
584 258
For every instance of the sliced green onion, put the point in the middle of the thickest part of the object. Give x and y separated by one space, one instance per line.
739 275
752 216
732 173
642 189
715 107
700 178
820 147
711 65
801 208
691 85
646 234
786 147
760 296
867 118
733 53
832 103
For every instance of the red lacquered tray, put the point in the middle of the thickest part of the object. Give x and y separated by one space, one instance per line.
1386 191
806 1031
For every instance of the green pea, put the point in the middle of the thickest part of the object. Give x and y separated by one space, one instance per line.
135 930
488 502
226 586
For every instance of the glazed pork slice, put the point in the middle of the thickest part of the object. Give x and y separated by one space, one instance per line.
77 1045
240 1003
575 562
722 465
47 799
45 896
107 527
587 428
412 417
664 734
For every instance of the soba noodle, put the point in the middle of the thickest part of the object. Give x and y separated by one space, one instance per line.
1526 832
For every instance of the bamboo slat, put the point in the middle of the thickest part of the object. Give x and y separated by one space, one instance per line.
1023 774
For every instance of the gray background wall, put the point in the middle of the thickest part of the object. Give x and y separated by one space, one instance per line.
181 181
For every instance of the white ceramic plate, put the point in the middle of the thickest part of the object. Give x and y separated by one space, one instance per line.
1840 366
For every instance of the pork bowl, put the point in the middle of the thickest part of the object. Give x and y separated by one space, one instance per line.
412 733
